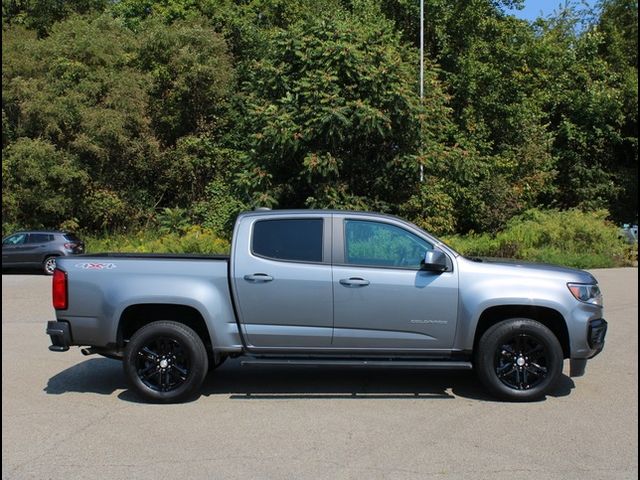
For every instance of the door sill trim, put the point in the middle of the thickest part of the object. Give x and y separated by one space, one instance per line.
424 364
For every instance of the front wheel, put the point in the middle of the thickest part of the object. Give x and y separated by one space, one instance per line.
165 362
519 360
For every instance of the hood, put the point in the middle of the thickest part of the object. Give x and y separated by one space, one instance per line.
513 266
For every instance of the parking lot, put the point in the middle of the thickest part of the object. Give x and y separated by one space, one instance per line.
65 415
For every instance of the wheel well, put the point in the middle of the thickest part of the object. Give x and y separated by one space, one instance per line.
135 317
550 318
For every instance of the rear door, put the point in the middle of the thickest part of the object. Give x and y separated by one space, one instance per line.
36 247
282 280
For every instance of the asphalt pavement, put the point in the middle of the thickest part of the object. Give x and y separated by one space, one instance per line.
65 415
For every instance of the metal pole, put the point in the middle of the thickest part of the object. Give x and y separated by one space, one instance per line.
421 81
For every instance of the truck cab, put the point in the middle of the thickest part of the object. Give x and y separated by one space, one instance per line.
332 282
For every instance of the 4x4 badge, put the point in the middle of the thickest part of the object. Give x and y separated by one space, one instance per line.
95 266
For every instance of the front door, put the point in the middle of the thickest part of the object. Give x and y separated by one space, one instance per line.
13 249
382 300
283 282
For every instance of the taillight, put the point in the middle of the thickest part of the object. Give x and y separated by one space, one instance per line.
70 246
59 289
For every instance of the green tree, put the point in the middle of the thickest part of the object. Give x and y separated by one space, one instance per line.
208 107
618 23
333 116
191 78
592 105
40 15
79 90
39 184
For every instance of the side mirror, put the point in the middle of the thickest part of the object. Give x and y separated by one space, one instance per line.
434 261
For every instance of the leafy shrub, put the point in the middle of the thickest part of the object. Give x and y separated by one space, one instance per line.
572 238
172 220
70 225
219 208
194 239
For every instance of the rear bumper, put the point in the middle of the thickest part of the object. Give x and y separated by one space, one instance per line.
60 334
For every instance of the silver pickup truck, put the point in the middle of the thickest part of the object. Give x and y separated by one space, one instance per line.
313 287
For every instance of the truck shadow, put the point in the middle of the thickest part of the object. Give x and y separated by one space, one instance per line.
96 375
104 376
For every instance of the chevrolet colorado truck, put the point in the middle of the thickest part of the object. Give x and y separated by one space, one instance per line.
314 287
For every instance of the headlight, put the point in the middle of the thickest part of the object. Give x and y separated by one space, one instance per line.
586 293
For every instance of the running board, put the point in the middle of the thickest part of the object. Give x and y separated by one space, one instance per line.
322 362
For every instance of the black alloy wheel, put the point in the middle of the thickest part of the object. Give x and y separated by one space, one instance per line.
521 362
163 364
519 359
165 361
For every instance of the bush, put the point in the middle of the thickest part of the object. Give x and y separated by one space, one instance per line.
194 239
572 238
39 184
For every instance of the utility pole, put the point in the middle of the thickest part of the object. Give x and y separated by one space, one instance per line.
421 83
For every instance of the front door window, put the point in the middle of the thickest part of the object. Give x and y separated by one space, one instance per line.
17 239
376 244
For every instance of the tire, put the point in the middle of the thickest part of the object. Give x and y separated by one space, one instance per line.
519 360
49 265
165 362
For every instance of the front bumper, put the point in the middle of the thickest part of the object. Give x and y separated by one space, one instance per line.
596 333
60 333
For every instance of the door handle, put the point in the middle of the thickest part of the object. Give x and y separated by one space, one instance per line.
354 282
258 278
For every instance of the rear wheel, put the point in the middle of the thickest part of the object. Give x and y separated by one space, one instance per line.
519 360
49 265
165 362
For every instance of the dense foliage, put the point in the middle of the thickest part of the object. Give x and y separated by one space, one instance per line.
126 114
570 237
192 239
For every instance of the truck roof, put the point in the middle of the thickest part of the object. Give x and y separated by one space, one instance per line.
303 211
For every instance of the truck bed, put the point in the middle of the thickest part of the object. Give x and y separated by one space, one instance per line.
102 288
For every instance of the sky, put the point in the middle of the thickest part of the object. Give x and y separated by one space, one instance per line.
536 8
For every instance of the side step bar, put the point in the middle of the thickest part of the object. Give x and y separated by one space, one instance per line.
322 362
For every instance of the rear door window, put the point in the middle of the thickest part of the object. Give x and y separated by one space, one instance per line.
297 240
38 238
